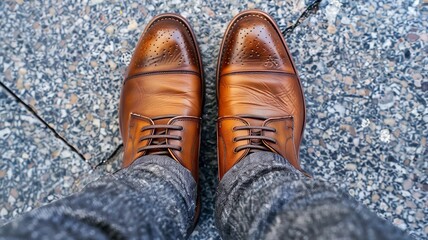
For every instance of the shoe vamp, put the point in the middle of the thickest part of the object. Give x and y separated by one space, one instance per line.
159 95
262 94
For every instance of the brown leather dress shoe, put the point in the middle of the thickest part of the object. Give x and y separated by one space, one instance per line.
260 97
161 99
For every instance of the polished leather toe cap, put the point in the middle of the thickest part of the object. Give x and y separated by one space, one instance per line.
165 45
254 44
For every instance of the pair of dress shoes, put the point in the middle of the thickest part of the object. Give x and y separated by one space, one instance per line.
261 105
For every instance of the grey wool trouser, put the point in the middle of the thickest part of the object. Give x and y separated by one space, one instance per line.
261 197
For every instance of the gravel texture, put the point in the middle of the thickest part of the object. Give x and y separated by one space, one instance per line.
35 166
363 65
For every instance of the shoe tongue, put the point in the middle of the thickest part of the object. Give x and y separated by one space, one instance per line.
258 132
158 141
161 121
254 122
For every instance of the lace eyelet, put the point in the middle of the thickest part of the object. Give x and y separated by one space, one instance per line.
181 149
181 128
234 129
180 138
234 150
234 139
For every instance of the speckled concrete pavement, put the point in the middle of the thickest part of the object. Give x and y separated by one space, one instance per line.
364 67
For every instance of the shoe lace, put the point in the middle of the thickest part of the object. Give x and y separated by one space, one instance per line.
255 137
158 144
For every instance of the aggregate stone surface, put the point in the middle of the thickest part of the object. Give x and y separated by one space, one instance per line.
363 65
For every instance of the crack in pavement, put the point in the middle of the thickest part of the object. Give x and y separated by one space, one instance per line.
112 155
311 9
33 111
74 149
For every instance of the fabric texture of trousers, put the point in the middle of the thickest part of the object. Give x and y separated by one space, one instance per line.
154 198
262 197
